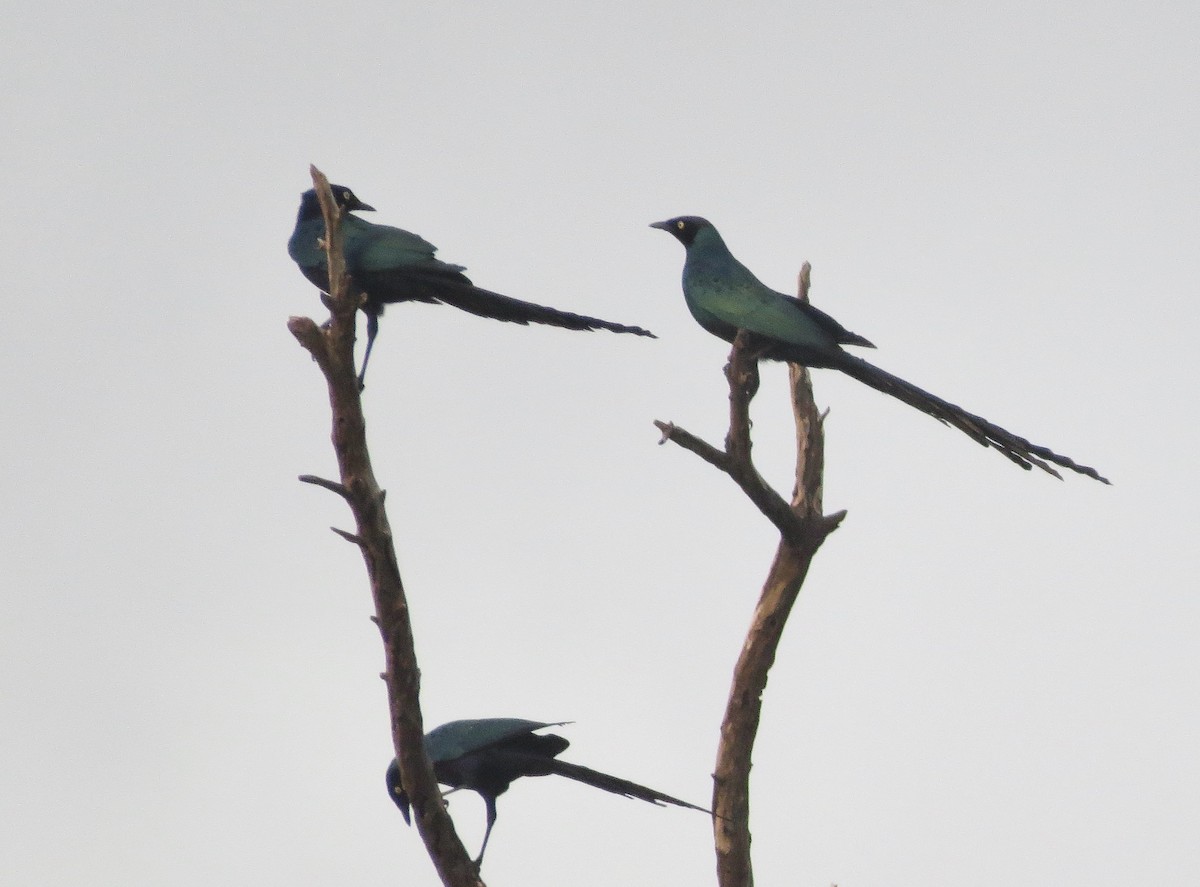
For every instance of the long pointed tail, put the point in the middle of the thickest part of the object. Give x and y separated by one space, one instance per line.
486 303
448 285
1018 449
615 785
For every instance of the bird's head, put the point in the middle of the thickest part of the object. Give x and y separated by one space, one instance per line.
396 791
348 200
310 206
684 228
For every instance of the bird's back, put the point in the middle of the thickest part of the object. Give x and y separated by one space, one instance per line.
303 244
457 738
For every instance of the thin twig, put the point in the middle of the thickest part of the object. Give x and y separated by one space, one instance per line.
687 440
349 537
332 485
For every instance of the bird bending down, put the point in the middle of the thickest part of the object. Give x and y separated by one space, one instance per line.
485 755
391 265
724 296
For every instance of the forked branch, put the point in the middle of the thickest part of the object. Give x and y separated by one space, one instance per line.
802 528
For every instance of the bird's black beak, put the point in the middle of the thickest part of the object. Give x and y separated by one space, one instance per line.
358 204
662 226
396 790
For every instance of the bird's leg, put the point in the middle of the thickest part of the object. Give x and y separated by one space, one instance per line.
372 332
491 820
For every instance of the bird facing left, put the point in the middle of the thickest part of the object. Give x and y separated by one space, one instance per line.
724 296
486 755
389 264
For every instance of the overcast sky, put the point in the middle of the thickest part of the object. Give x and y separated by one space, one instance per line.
991 676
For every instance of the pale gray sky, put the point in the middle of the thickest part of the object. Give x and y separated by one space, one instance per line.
991 676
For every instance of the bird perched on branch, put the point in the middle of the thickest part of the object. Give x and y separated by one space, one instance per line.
724 296
485 755
391 265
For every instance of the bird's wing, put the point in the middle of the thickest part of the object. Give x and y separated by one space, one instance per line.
724 296
840 334
371 247
457 738
750 305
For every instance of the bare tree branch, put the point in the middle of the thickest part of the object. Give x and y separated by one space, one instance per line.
802 528
332 485
687 440
332 347
352 539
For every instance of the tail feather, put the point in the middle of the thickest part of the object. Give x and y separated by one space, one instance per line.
616 785
1016 448
499 307
450 286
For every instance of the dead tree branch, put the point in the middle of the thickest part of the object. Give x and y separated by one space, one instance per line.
802 528
332 347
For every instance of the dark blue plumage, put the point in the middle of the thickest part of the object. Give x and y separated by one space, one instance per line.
392 265
724 296
486 755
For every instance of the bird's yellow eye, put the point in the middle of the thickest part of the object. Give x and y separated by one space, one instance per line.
681 224
347 196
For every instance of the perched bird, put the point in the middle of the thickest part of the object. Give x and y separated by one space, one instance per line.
390 265
485 755
724 296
